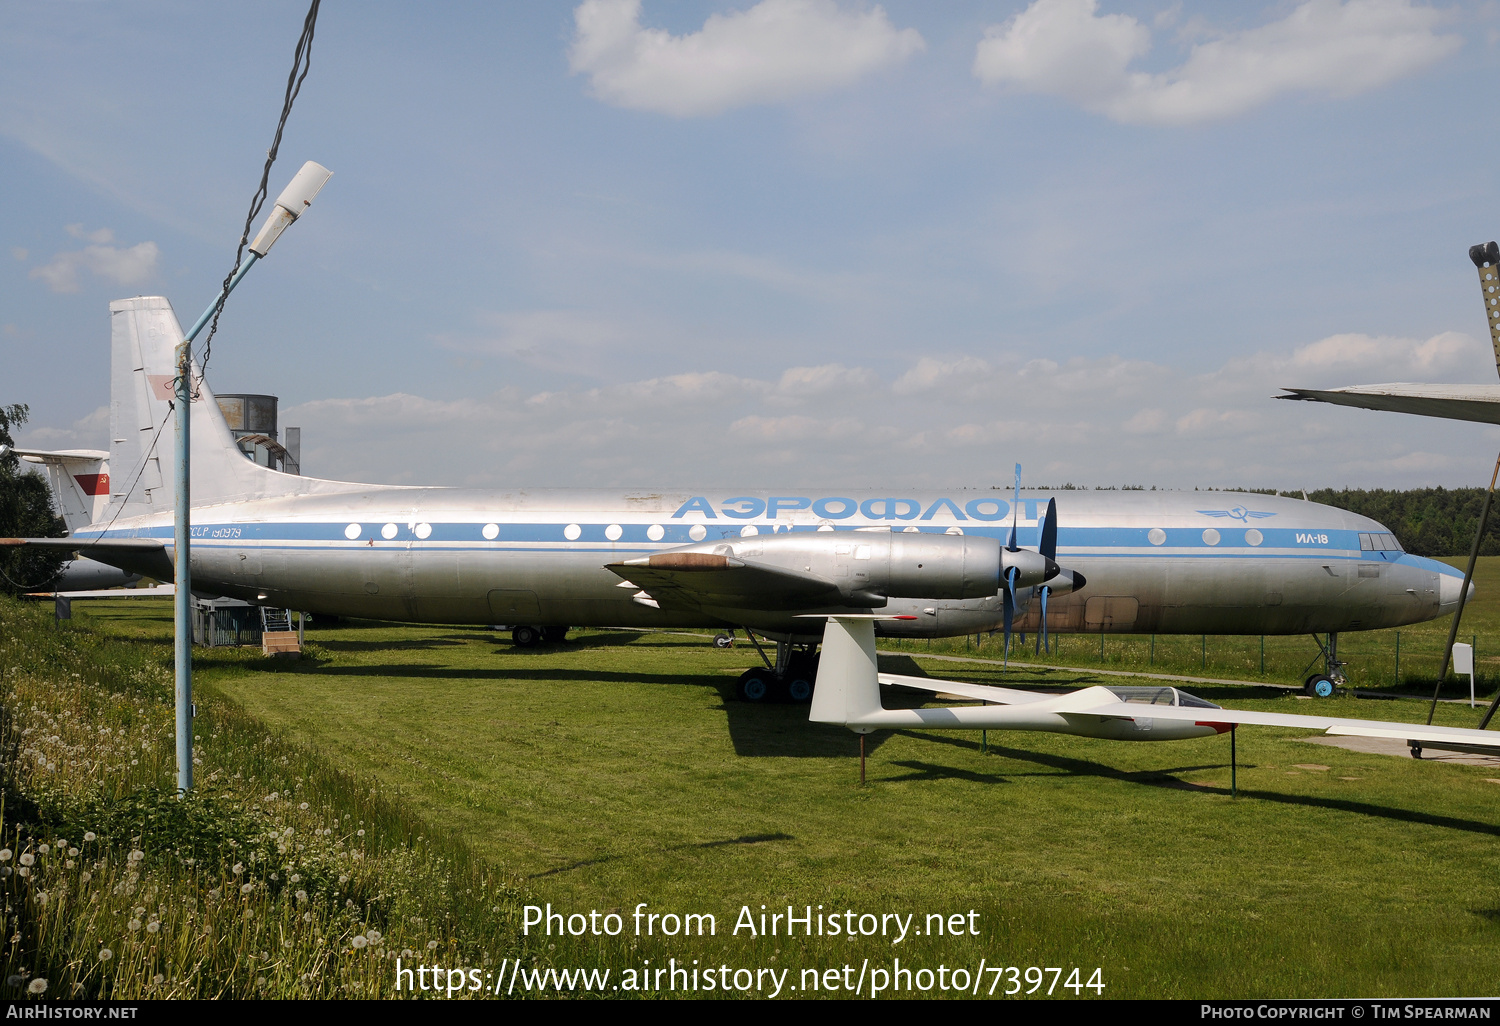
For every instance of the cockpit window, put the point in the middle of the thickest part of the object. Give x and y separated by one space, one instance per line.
1379 541
1160 696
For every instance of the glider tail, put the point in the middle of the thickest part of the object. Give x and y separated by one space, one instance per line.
848 687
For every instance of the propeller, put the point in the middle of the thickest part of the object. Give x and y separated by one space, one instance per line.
1062 582
1021 568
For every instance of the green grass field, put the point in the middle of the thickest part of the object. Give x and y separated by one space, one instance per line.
615 770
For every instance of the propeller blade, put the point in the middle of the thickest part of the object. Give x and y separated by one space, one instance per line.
1042 638
1048 546
1009 607
1015 511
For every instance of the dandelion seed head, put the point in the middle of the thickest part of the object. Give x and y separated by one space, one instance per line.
37 986
303 806
154 926
89 836
72 853
14 981
432 945
247 888
359 942
133 925
105 954
237 868
42 849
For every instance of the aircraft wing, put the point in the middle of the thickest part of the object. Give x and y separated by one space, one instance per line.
139 555
695 580
1479 403
980 692
1102 702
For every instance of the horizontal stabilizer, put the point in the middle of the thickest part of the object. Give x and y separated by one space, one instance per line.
146 556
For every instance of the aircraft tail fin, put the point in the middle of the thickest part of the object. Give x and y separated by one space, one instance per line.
144 332
848 684
79 479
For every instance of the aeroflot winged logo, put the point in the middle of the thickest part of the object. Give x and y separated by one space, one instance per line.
836 508
1239 513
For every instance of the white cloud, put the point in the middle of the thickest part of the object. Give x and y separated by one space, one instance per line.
128 266
943 422
773 52
89 432
1066 48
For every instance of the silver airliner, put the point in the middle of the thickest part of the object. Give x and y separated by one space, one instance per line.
543 560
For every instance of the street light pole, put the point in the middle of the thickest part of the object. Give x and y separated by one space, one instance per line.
294 199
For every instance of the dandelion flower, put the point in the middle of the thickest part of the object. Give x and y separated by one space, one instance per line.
105 954
37 986
301 896
133 925
134 856
360 833
432 945
42 849
359 942
27 859
153 926
14 981
72 853
5 854
89 836
303 806
24 871
295 878
247 888
85 876
238 868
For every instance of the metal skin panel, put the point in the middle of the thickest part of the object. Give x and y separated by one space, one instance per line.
1193 561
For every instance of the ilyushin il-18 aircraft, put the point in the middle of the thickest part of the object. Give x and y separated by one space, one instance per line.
541 561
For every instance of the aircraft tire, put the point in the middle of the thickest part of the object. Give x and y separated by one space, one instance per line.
554 635
754 686
525 636
723 641
799 689
1319 686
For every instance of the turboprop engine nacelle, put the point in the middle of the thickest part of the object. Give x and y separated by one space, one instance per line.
868 564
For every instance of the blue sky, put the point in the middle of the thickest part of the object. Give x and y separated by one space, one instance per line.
793 243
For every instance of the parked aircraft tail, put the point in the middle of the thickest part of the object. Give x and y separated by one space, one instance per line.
79 479
144 332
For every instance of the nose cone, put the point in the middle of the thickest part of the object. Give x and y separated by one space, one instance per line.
1052 568
1448 591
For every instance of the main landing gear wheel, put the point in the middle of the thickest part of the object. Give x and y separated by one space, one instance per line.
1319 686
754 686
723 641
799 690
525 637
554 635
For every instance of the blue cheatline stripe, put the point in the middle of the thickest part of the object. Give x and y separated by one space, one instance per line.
1073 539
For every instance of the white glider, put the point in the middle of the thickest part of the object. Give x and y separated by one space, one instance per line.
848 694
